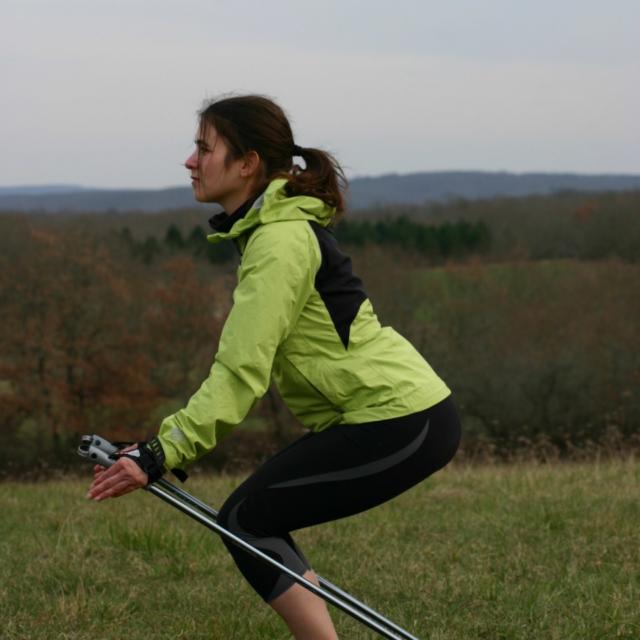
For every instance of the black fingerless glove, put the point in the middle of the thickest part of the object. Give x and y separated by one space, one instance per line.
149 456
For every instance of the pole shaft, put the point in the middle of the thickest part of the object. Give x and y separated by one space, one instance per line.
167 496
326 584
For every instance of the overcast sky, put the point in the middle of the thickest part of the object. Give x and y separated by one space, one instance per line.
104 92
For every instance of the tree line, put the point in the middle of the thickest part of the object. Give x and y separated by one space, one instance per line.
539 348
441 241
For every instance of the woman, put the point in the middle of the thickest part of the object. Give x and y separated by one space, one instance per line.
380 420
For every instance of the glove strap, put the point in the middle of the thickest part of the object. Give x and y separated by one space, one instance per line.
149 456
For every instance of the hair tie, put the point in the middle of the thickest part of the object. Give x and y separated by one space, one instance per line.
297 151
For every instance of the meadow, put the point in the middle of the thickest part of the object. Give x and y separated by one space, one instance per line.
508 551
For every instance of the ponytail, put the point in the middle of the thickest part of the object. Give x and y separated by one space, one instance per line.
321 178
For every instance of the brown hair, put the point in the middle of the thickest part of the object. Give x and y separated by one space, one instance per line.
256 123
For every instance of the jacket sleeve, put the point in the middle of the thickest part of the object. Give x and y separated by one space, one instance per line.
275 279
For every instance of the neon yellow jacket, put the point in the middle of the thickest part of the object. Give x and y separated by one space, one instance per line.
301 318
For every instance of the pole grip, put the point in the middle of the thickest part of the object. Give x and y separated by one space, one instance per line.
98 450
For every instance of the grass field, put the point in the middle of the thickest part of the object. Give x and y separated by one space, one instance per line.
526 551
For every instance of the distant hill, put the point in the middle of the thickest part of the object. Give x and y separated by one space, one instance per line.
97 200
40 189
414 188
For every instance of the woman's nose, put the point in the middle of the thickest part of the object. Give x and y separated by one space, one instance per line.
192 161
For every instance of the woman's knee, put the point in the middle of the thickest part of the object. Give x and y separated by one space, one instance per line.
226 515
245 515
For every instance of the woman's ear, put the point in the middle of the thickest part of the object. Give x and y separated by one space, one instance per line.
250 164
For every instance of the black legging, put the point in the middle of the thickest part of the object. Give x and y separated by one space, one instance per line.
331 474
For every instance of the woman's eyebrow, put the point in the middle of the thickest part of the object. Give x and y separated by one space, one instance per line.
201 142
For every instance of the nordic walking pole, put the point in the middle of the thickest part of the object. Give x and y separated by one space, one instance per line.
108 448
99 450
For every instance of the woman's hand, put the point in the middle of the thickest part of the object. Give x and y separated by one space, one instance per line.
122 477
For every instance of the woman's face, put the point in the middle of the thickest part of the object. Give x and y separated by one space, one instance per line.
213 180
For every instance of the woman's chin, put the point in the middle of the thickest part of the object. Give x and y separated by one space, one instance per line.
198 195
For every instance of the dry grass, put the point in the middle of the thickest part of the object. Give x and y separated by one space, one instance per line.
513 551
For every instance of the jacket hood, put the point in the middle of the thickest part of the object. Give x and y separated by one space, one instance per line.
274 205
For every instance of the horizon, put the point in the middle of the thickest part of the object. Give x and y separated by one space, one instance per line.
350 179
